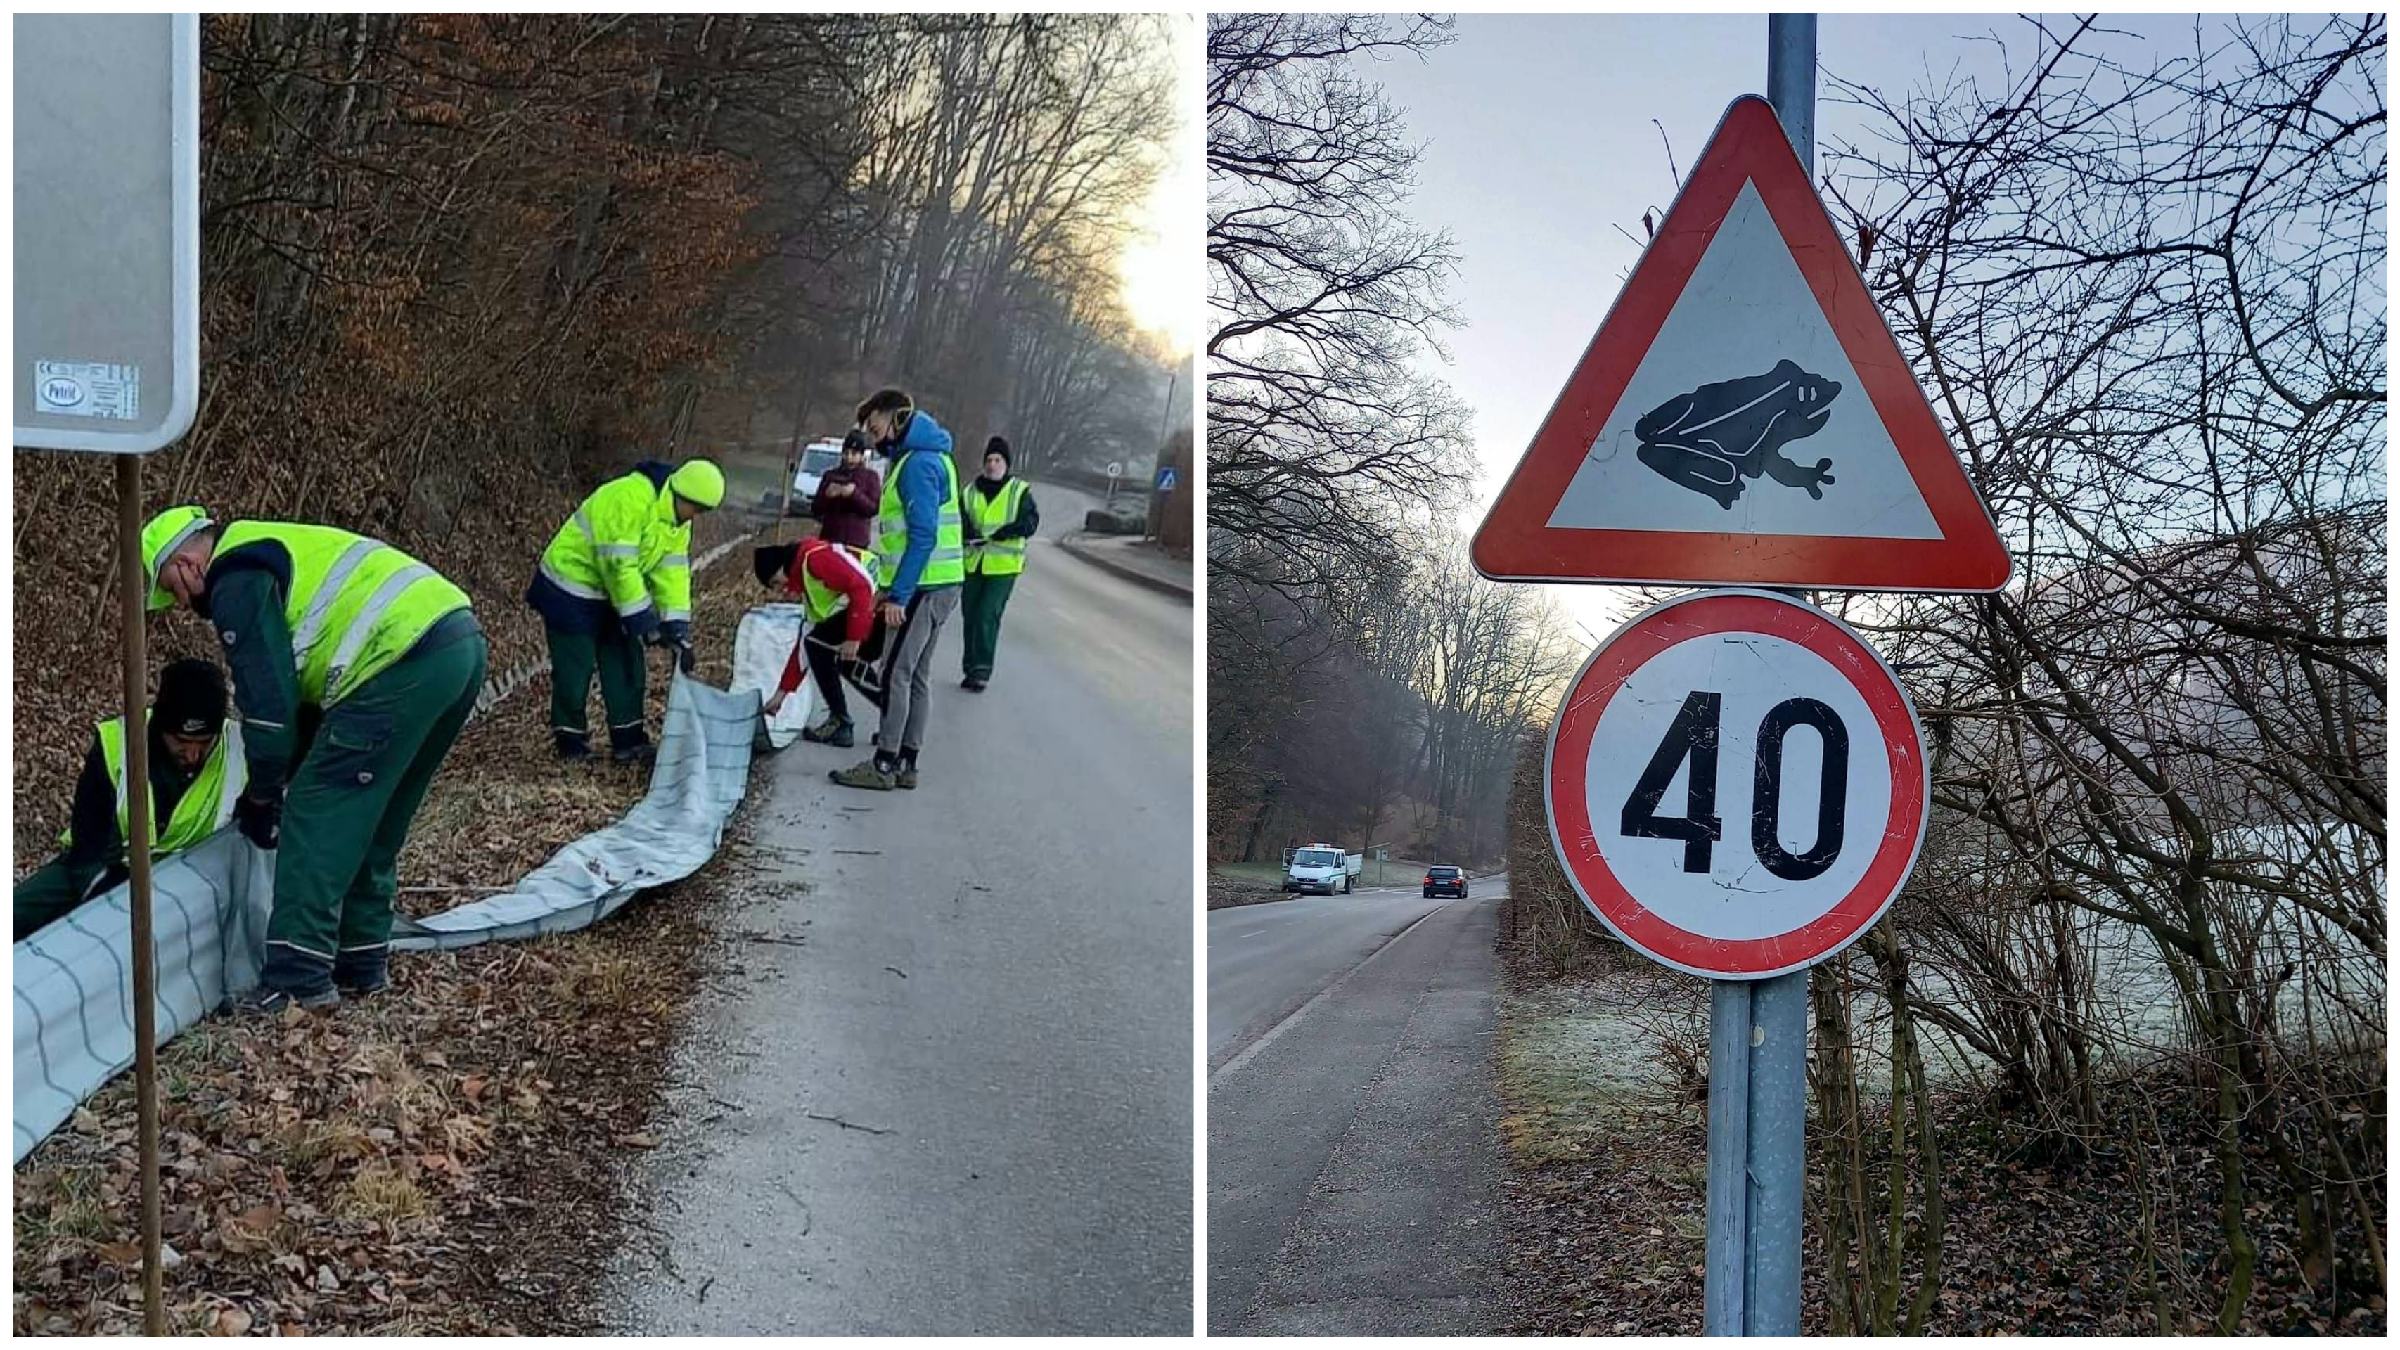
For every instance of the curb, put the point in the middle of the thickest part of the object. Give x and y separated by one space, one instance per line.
1124 573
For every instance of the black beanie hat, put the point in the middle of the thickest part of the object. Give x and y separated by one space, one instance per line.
772 559
191 699
854 439
997 446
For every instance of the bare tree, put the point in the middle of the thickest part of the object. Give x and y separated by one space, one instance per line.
1325 439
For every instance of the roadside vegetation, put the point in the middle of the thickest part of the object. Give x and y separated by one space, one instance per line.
457 270
2116 1061
1365 686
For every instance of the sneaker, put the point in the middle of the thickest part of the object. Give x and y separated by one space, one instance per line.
973 684
906 778
268 1001
833 731
864 774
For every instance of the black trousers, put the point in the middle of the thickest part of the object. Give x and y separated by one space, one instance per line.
823 645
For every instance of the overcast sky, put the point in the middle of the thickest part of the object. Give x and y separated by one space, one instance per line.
1539 145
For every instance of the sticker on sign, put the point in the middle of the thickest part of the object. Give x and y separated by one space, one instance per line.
1736 784
88 389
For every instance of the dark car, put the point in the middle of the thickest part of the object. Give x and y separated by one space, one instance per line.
1445 881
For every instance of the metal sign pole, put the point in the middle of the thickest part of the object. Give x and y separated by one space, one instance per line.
1758 1034
134 590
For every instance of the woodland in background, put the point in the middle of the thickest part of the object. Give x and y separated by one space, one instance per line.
2145 290
458 269
1365 686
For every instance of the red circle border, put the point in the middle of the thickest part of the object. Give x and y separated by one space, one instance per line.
1630 648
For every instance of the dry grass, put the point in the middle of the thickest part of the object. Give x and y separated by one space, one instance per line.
436 1160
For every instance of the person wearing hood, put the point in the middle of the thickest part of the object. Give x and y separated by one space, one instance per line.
354 666
920 560
618 574
999 517
196 774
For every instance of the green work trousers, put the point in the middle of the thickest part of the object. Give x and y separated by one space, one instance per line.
351 800
44 898
624 684
982 601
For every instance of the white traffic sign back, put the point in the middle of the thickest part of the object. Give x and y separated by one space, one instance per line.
1736 784
107 218
1743 415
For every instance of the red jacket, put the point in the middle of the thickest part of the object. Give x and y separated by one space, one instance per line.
845 573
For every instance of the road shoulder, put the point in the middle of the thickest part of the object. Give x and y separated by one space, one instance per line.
1379 1215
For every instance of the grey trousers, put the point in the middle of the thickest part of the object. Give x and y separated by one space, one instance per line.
908 672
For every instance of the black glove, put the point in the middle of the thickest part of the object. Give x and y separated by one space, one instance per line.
685 660
675 633
260 819
642 627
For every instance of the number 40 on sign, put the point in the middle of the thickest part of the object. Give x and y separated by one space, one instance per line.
1737 785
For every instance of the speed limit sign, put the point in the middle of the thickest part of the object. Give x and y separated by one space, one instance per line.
1736 784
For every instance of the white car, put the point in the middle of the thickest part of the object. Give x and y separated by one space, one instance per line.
815 459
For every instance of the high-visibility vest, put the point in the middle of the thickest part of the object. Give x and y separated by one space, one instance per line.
206 806
625 546
989 556
356 605
948 565
818 600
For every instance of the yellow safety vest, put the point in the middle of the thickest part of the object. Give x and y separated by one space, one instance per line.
625 546
206 806
996 557
948 565
818 600
356 605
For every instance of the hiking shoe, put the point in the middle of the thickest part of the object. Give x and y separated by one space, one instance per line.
864 774
634 754
572 747
973 684
833 731
356 974
267 1001
906 778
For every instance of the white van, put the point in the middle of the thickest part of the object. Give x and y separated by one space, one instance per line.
1322 869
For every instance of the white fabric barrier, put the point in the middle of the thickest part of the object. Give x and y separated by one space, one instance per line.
74 979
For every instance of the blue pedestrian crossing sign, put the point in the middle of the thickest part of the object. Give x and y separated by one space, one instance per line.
1166 479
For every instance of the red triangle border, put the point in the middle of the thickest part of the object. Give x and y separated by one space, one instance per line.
1515 541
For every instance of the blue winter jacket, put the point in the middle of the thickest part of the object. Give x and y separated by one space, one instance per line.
921 485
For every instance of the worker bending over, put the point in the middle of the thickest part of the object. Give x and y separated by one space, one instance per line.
836 591
354 667
196 772
616 575
999 517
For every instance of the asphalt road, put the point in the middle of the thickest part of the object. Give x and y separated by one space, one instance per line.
944 1083
1353 1154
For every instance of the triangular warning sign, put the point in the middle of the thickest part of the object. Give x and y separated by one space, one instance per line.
1743 416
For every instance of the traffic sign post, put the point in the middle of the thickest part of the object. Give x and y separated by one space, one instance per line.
1116 470
107 173
1736 782
1737 787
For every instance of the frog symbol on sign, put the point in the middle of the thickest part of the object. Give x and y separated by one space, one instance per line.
1712 438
